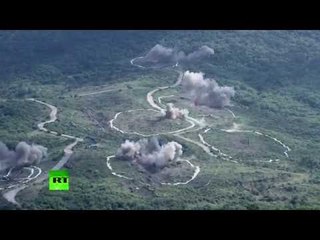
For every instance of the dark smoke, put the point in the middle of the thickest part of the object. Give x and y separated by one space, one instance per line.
149 153
23 155
205 91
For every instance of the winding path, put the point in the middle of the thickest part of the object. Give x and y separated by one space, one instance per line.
167 96
15 189
195 174
133 60
193 122
236 129
208 148
11 194
114 173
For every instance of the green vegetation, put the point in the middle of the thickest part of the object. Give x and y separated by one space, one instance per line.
276 78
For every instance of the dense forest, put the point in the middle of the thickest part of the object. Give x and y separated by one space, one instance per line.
264 59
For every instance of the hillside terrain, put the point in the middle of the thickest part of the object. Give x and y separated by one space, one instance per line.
259 152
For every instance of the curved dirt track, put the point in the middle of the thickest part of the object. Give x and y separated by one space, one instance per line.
11 194
193 122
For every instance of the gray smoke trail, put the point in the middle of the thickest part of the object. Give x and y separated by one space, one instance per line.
6 157
172 112
149 153
205 91
24 155
202 53
161 54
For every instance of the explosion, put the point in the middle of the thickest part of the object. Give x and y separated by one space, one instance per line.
149 153
172 112
205 91
161 54
23 155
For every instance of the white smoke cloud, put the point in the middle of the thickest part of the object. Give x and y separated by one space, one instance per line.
205 91
23 155
149 153
200 54
172 112
161 54
129 150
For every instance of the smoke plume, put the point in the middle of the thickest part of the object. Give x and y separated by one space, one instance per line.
23 155
161 54
198 55
172 112
205 91
149 152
